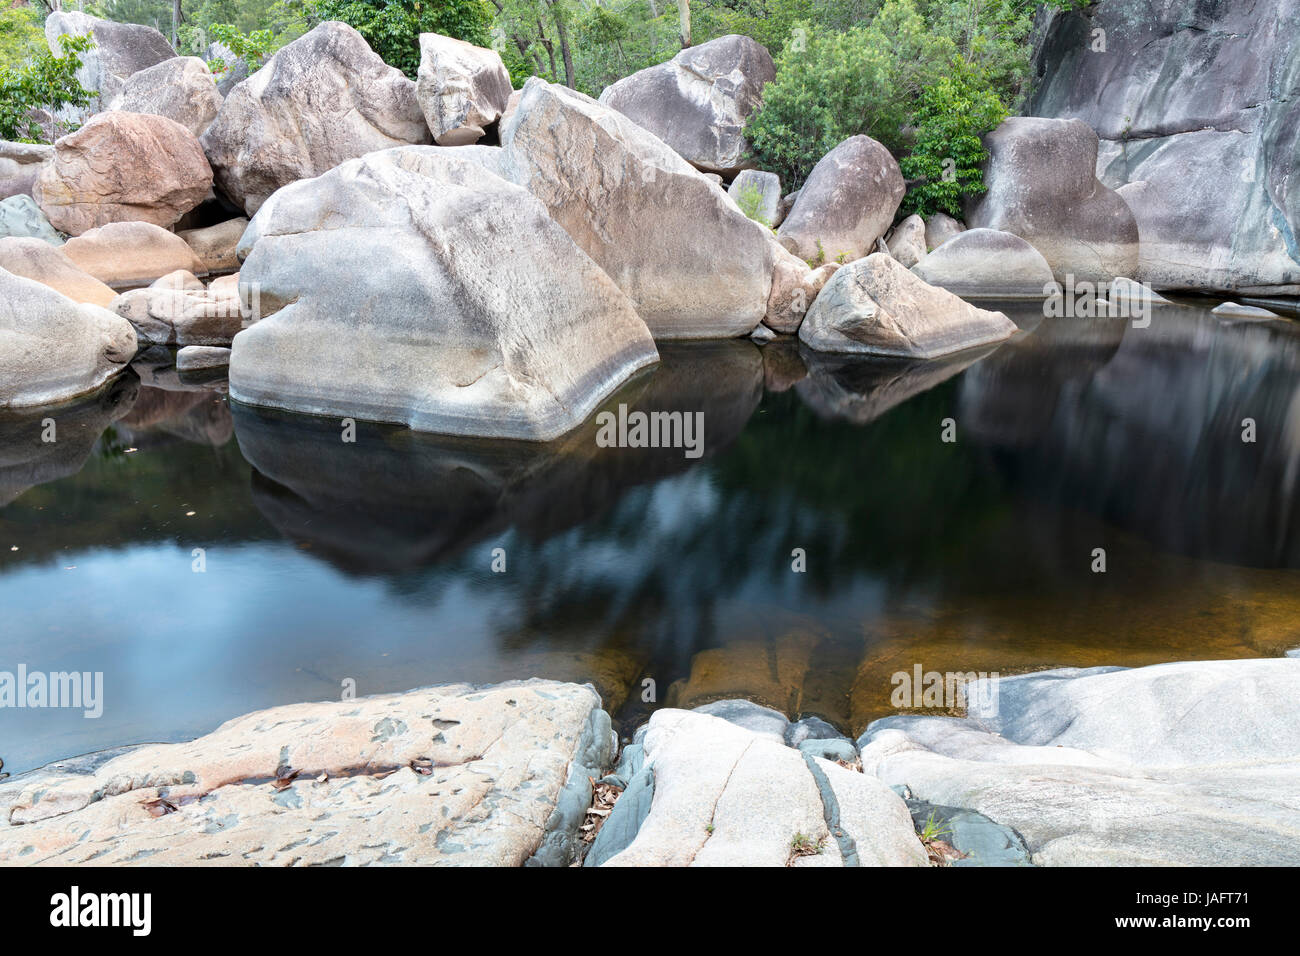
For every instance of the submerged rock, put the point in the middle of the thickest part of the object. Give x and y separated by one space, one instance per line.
321 100
698 102
847 203
123 167
462 88
691 262
451 775
876 306
1186 764
1043 187
53 349
412 287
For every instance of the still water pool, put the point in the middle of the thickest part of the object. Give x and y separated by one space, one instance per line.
643 569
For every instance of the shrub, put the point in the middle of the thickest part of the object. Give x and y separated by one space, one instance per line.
393 27
750 202
948 157
45 82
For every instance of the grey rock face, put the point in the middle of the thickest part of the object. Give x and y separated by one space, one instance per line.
753 717
1043 187
197 358
323 99
20 164
907 241
876 306
981 841
699 100
847 203
1194 763
21 217
1198 101
691 262
412 287
53 349
462 88
181 88
989 263
121 50
941 227
215 245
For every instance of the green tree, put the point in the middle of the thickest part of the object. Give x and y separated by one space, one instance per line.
46 82
946 162
393 27
21 35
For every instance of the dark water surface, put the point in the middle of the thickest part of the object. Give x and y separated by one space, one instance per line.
372 560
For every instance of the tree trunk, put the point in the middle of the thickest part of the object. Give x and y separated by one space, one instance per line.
564 44
684 14
176 24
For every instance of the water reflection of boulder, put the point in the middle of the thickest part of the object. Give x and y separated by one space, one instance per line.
1151 438
201 417
396 499
1030 373
26 459
859 389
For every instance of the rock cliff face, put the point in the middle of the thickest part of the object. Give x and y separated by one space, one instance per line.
1196 105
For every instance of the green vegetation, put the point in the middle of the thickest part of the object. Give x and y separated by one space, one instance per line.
21 35
750 202
43 82
393 27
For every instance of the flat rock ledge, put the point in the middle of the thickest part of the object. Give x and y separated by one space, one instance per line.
450 775
1184 764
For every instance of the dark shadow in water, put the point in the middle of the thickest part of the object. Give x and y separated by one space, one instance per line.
396 499
1144 427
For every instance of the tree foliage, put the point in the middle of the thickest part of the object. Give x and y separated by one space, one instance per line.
393 27
43 82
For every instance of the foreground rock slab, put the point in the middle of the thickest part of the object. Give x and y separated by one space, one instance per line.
452 775
123 167
876 306
321 100
691 262
418 288
723 795
698 102
53 349
1187 764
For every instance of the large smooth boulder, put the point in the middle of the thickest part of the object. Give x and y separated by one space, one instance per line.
131 253
847 203
795 286
450 775
21 217
121 50
941 227
1042 186
1201 102
20 164
461 88
49 265
691 262
181 89
414 287
988 263
321 100
698 102
876 306
907 241
719 794
123 167
53 349
1185 764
